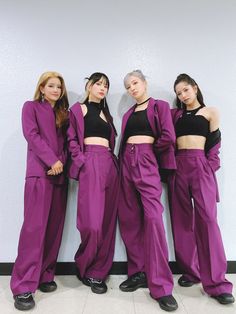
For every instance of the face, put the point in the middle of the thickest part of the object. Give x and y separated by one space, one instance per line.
186 93
52 90
136 87
98 90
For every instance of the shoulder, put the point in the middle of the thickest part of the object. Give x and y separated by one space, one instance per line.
211 112
162 103
30 106
77 107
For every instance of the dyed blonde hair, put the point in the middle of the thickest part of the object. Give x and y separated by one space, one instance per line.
62 104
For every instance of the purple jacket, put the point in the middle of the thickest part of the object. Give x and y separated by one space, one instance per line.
159 116
212 154
46 143
75 137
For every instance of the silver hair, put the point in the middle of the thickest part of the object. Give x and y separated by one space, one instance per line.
136 73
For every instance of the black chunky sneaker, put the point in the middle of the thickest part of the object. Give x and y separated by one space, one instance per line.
24 301
224 298
48 286
97 286
184 282
137 280
168 303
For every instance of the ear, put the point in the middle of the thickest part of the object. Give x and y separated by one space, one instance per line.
41 88
195 88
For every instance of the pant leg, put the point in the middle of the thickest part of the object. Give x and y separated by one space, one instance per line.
147 180
92 210
212 259
105 252
130 215
27 267
183 221
54 232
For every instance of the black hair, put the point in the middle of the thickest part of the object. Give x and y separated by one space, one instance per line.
189 80
94 78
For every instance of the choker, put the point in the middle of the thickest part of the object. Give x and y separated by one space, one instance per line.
143 102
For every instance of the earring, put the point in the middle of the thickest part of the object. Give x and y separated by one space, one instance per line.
42 97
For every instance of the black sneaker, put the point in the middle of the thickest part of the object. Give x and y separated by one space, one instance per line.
184 282
168 303
224 298
97 286
137 280
48 286
24 301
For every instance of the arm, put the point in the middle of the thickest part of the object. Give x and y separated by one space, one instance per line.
165 143
32 135
212 146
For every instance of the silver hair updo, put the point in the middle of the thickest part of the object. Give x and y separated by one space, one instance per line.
136 73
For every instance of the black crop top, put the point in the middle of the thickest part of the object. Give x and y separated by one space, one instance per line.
191 124
94 125
138 124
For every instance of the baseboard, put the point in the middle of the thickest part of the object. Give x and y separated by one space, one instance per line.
118 268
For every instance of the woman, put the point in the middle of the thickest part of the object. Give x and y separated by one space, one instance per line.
193 193
91 138
146 129
44 122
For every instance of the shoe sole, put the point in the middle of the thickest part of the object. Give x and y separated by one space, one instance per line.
47 290
21 307
167 309
97 291
133 289
223 302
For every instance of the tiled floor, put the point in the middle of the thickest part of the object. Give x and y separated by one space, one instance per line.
72 297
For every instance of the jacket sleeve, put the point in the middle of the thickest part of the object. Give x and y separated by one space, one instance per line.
165 143
32 135
212 149
74 146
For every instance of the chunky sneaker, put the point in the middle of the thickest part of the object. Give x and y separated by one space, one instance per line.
168 303
97 286
48 286
184 282
224 298
137 280
24 301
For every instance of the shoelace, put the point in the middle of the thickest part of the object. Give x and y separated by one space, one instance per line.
24 296
95 280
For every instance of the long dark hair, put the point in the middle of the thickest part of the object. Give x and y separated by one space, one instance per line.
189 80
94 78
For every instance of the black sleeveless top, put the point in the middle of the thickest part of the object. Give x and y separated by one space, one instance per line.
138 124
191 124
94 125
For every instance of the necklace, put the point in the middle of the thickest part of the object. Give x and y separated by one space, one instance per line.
143 102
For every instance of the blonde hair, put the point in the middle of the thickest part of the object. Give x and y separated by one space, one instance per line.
62 104
136 73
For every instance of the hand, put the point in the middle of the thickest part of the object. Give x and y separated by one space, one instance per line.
56 168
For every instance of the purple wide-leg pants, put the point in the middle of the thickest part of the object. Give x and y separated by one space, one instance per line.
41 233
198 245
97 212
140 218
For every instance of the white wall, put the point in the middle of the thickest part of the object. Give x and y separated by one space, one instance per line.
76 38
